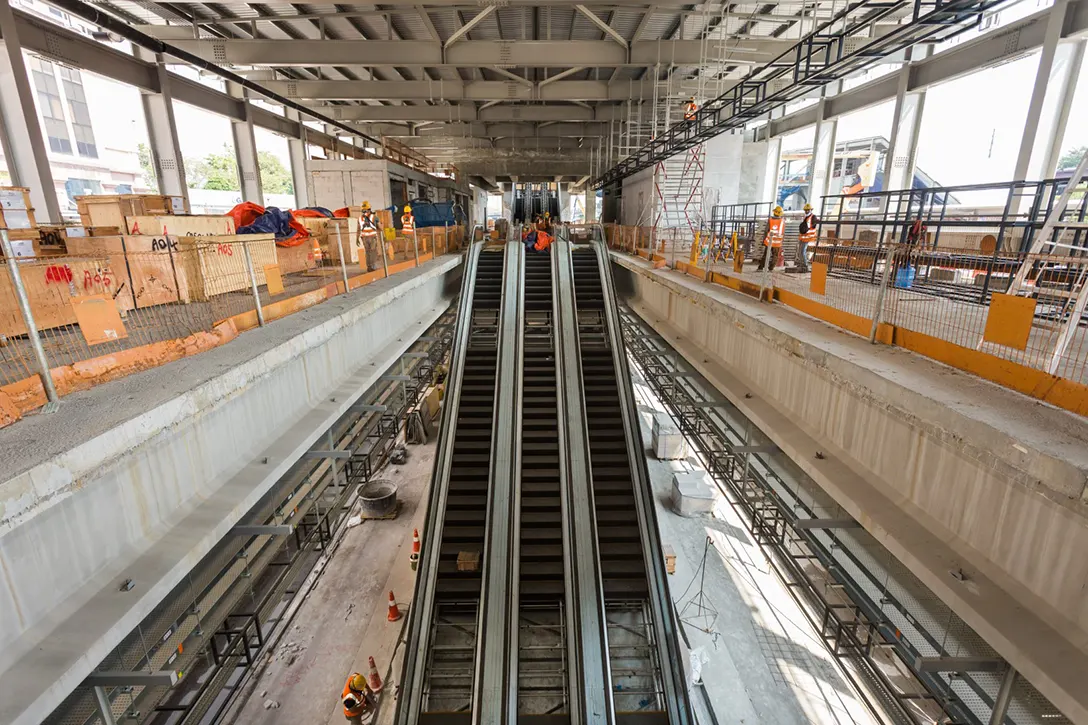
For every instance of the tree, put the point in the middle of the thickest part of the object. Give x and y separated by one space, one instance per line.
1071 158
275 177
222 171
143 153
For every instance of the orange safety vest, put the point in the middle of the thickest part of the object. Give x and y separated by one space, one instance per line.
408 224
809 235
355 702
689 112
776 227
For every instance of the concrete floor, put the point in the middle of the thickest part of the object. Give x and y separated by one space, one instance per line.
342 620
764 662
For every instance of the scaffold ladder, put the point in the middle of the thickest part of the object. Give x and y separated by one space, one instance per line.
1055 256
678 184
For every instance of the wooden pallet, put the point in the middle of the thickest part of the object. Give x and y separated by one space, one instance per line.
110 210
16 213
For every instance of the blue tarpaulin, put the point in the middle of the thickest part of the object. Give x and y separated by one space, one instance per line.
273 221
428 214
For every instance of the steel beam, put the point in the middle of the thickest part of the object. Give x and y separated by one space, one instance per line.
563 129
162 132
960 664
480 53
322 453
467 113
21 136
136 678
604 26
902 153
463 90
826 524
823 154
300 160
1008 43
262 530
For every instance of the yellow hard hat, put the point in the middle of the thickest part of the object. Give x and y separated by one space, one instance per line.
692 99
366 206
407 209
777 211
808 207
358 682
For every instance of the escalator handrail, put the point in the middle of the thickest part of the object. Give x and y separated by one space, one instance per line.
673 682
420 615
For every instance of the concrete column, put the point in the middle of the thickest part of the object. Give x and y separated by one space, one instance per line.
823 150
300 161
162 132
21 134
245 150
1051 96
903 143
591 204
769 190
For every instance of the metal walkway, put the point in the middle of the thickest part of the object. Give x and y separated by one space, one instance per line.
541 595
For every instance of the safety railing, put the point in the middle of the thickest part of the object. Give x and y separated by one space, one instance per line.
947 303
130 303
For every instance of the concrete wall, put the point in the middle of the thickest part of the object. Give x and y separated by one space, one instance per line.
637 202
759 171
721 178
146 497
948 471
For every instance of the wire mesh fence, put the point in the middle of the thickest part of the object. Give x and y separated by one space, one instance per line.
127 293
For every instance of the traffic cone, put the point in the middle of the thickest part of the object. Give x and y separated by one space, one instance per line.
414 556
374 677
394 612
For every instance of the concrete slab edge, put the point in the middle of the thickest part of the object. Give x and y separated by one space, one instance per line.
1002 611
31 491
1047 472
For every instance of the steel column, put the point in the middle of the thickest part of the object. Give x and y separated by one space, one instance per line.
245 150
823 154
300 161
906 127
21 136
162 131
1042 91
1004 697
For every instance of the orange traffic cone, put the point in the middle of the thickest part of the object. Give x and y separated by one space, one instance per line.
374 677
413 558
394 613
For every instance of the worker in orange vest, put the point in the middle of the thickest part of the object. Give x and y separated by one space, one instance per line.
357 698
368 230
776 232
689 111
806 235
408 227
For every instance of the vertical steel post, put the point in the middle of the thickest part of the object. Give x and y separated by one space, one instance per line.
878 311
104 709
343 262
415 244
28 319
382 247
765 280
1004 697
253 284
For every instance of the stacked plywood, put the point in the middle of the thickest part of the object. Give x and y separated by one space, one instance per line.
299 258
180 225
216 265
51 286
109 211
17 217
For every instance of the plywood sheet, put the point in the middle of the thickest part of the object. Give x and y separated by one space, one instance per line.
201 225
1009 321
99 320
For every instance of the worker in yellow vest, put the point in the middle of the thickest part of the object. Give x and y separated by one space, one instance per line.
806 235
772 240
408 227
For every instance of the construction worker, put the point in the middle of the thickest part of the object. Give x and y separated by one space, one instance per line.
772 240
806 235
357 698
408 222
368 231
690 110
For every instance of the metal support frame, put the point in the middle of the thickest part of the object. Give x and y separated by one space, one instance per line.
833 50
21 136
776 520
245 149
27 313
162 131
